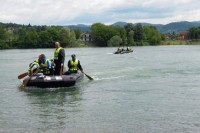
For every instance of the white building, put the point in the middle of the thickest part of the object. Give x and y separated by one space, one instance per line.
86 37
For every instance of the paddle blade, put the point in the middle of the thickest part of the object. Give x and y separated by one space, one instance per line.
21 87
88 76
25 82
22 75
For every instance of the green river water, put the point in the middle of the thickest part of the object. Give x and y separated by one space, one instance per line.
152 90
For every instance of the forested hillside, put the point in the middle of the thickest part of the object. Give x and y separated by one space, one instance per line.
140 34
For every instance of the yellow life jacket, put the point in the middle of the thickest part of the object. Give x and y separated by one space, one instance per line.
46 70
36 62
74 65
56 53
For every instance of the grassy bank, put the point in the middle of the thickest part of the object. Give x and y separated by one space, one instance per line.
180 42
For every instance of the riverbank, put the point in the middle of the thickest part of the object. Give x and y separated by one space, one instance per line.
168 42
90 44
179 42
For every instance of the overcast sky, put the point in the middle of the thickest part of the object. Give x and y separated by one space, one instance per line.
66 12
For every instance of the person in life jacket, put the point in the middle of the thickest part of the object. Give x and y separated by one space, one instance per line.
35 65
59 59
46 67
74 65
119 50
128 49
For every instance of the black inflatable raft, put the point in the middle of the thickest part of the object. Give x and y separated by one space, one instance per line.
55 81
123 52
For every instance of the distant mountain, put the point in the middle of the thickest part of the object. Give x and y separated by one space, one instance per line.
196 22
120 24
81 27
13 25
168 28
177 26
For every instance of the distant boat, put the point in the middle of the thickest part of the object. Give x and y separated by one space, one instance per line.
123 51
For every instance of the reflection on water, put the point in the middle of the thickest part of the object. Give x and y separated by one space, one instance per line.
52 106
49 94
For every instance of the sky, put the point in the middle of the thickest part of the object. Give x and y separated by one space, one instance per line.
68 12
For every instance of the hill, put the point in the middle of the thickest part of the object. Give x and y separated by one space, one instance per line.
81 27
177 26
168 28
13 25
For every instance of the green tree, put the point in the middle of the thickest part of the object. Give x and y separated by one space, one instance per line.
130 38
3 34
129 27
194 33
138 32
67 37
64 35
72 38
21 33
99 34
151 35
45 40
77 33
31 38
122 33
114 41
54 33
4 38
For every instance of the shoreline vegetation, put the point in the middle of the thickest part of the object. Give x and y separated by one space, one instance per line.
180 42
14 36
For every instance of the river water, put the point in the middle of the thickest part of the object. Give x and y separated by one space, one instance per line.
152 90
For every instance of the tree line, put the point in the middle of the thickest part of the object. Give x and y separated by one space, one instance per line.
37 36
194 33
27 36
129 35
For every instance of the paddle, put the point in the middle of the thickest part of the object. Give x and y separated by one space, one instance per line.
22 75
25 82
88 76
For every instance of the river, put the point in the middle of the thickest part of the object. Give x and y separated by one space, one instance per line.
155 89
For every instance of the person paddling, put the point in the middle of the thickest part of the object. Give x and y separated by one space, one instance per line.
34 69
46 66
74 65
119 50
35 65
129 49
